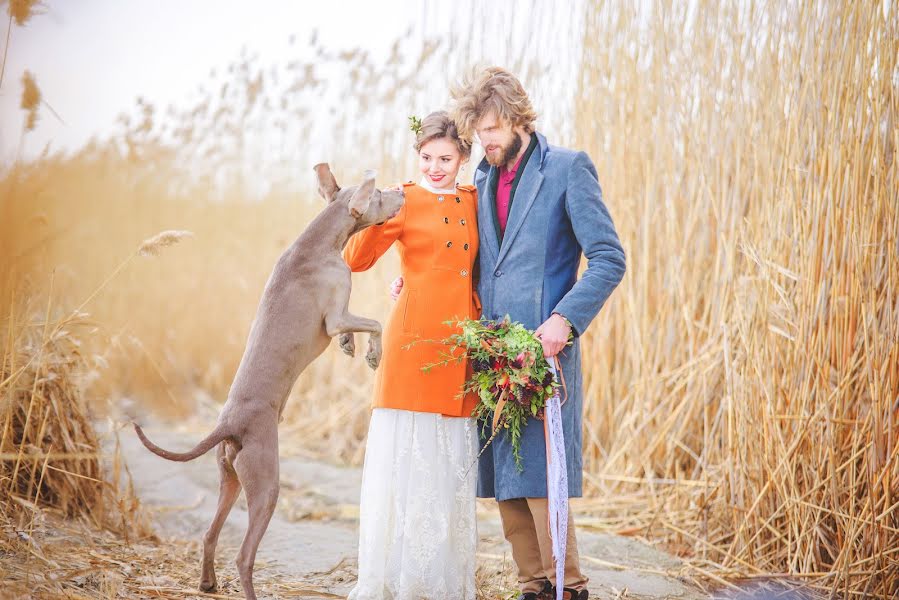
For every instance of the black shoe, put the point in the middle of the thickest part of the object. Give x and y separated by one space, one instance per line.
573 594
547 593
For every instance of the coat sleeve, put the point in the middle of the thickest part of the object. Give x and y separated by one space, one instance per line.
365 248
595 233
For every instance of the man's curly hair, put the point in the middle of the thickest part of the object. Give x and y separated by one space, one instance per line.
491 90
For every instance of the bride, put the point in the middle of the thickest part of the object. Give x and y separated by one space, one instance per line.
418 536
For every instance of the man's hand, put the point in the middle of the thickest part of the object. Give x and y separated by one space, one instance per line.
396 287
553 334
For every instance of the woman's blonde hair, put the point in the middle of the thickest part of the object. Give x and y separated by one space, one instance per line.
491 89
439 125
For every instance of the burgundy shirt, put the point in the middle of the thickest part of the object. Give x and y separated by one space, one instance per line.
503 192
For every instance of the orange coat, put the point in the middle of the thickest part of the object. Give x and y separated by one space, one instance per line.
437 240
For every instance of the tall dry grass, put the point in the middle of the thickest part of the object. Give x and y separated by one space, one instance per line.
59 487
742 382
172 329
50 454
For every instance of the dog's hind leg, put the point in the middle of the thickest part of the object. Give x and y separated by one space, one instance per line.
229 490
257 467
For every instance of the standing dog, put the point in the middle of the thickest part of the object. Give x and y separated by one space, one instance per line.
303 306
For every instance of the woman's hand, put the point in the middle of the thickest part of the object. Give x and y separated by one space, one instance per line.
396 187
396 287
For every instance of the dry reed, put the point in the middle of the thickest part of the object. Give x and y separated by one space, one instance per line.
31 99
53 476
52 473
745 377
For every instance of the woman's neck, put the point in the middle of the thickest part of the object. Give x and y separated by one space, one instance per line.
434 189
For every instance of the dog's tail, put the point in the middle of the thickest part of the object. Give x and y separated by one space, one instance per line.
218 434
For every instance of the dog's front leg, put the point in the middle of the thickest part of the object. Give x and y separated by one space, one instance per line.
346 323
347 343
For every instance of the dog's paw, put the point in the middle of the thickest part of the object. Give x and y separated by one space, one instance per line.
347 343
373 356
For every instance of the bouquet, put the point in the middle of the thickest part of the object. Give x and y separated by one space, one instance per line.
514 382
510 375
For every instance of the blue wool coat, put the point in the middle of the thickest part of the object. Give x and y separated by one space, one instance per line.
557 214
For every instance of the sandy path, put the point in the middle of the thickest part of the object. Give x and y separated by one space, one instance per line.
312 537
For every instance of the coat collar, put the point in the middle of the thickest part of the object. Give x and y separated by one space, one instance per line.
423 182
541 150
525 195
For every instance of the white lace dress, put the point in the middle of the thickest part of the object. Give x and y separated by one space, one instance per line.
417 529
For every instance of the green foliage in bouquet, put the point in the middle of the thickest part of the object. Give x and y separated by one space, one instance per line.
510 375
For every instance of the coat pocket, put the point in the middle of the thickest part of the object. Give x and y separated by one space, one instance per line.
409 312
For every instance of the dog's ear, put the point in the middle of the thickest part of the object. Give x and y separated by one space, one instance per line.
359 201
327 185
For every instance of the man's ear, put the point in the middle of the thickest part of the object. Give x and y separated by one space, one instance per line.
327 185
359 201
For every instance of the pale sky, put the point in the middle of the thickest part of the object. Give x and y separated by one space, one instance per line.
93 58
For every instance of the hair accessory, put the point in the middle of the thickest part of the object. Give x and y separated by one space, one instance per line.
415 124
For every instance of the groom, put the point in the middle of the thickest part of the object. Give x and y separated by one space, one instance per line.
540 207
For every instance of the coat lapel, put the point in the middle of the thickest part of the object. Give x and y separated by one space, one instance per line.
487 212
525 195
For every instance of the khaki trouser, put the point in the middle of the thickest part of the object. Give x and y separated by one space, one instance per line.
525 526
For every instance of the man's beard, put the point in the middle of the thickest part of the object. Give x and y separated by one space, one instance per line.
507 152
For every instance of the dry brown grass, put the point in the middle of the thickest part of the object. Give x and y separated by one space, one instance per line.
745 377
48 450
54 477
68 513
67 559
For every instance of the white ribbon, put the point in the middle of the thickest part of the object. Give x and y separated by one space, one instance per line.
556 483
